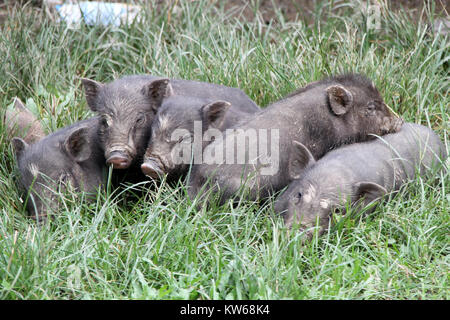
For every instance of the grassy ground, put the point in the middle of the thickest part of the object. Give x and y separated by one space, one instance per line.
159 246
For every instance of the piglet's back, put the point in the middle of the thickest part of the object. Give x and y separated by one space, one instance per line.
419 145
394 157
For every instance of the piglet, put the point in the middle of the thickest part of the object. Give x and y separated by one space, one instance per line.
360 173
69 157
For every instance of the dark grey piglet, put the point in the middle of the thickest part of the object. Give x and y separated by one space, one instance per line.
182 119
68 157
128 105
21 122
359 173
322 116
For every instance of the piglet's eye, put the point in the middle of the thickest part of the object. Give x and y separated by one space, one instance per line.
140 120
371 108
296 198
106 121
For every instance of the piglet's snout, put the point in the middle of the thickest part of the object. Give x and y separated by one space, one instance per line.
398 123
120 155
119 160
152 167
391 125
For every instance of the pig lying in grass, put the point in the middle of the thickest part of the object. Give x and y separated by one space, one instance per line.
68 157
322 116
359 173
128 105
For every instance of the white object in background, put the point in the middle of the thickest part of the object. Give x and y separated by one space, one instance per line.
97 13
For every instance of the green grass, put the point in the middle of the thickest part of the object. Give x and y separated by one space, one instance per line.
160 246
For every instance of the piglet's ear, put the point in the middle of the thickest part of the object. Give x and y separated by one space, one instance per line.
19 105
213 114
299 159
19 146
340 99
77 145
369 191
157 91
91 91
